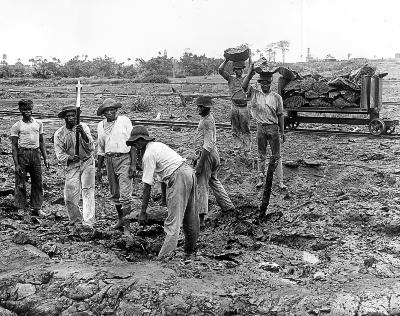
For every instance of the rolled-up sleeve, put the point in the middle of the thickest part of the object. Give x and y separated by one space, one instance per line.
88 146
279 109
100 140
61 154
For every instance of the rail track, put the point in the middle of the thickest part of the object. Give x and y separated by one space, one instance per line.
190 124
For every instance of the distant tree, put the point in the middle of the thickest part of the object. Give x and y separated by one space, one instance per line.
284 47
348 55
198 65
270 49
42 68
159 65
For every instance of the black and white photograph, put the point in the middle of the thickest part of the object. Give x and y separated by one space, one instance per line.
199 157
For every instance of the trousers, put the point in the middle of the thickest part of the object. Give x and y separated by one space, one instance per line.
209 177
118 178
29 160
181 200
240 121
80 180
268 134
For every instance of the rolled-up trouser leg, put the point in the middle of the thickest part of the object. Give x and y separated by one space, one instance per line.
72 193
121 168
88 185
179 190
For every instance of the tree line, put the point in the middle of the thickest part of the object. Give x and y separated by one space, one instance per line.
158 68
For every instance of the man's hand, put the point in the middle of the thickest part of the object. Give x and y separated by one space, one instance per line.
46 163
72 159
132 172
283 137
99 176
142 219
79 128
18 170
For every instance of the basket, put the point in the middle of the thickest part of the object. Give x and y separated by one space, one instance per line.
240 53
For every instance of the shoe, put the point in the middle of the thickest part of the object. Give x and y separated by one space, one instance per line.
119 225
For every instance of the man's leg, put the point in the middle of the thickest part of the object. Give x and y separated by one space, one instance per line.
191 217
125 187
235 125
36 182
88 184
114 190
218 189
262 153
20 200
245 129
72 190
202 191
179 190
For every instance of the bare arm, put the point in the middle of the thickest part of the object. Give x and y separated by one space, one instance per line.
281 127
132 167
248 77
42 146
142 219
14 146
221 70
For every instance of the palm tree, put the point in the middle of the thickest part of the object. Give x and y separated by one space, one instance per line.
284 47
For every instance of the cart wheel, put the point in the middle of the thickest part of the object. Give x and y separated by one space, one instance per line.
390 129
377 127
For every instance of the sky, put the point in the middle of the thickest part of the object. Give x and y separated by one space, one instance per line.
133 29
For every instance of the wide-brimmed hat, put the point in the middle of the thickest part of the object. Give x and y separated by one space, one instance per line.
265 76
138 131
204 100
238 64
108 103
65 109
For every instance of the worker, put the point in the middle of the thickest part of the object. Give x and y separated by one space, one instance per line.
120 159
28 143
208 161
240 117
79 169
162 162
266 107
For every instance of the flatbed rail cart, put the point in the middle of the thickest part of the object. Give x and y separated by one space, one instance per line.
370 104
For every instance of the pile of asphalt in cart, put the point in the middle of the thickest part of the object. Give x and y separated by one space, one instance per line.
315 91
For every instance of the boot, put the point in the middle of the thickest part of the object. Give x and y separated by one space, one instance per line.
119 224
260 182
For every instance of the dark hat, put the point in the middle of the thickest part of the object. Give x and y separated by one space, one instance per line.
24 103
108 103
238 64
65 109
204 100
265 76
138 131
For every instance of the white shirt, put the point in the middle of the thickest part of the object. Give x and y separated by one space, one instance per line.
112 136
264 107
161 161
27 133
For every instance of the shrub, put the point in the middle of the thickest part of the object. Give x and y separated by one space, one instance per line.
154 79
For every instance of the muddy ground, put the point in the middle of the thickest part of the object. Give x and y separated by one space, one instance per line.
335 250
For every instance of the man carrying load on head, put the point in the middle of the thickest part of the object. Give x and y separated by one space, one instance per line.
240 117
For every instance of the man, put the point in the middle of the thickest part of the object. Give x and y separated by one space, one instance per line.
163 162
266 107
79 168
208 164
240 117
26 141
112 134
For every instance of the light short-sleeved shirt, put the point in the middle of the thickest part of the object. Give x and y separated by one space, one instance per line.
65 140
112 136
264 107
27 133
206 136
160 161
